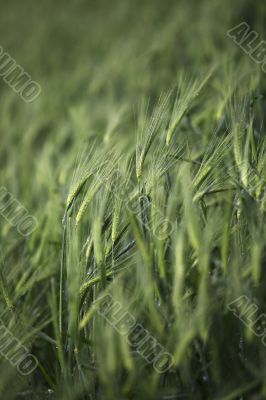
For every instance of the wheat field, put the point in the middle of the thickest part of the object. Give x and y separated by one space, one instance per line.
132 200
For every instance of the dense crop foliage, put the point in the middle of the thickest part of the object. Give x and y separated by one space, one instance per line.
144 162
